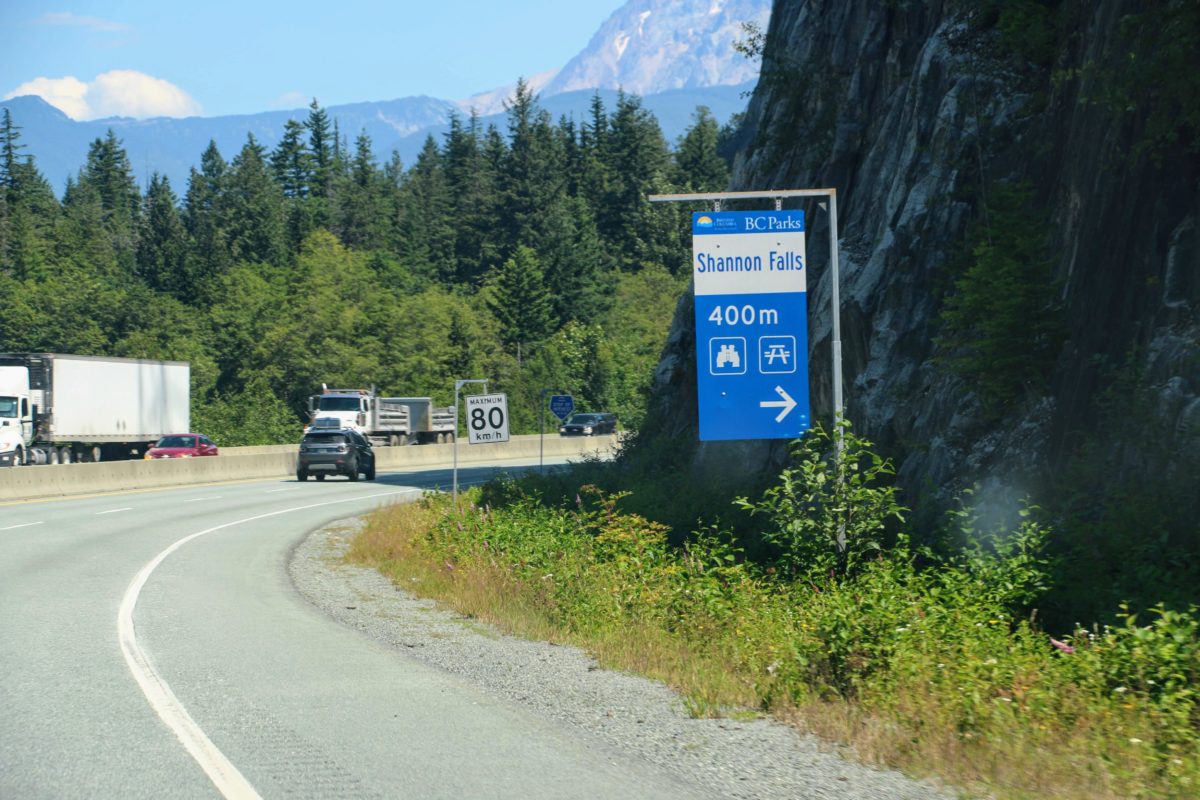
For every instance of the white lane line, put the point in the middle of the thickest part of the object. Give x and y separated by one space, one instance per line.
273 491
220 770
201 499
22 525
115 510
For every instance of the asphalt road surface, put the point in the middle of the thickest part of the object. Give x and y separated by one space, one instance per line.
152 645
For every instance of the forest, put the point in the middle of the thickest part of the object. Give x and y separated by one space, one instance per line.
529 257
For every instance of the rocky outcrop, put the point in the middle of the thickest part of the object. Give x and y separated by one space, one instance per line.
906 111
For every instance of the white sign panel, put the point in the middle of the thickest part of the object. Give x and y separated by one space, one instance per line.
487 418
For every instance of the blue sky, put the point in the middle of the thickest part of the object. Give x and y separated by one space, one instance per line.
149 57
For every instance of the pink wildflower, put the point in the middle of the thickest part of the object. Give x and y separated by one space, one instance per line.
1066 648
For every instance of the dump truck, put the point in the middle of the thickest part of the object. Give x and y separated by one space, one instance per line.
87 408
383 420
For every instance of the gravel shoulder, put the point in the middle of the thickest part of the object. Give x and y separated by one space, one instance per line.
638 717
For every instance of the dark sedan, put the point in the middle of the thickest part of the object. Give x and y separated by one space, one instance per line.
589 424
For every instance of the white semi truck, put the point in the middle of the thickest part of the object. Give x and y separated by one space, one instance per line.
383 420
84 408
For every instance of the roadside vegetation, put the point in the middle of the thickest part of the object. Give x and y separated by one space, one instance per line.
934 663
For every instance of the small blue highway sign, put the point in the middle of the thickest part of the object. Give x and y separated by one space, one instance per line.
561 405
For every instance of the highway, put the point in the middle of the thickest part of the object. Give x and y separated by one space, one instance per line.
152 645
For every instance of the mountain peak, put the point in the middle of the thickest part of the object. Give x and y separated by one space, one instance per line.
650 46
31 105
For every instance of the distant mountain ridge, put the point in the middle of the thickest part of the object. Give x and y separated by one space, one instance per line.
676 54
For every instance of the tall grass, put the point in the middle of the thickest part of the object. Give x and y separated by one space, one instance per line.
934 666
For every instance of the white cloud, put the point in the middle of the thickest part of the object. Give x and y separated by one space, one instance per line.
68 95
289 100
116 93
66 18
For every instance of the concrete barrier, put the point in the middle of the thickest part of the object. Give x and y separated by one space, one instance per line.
278 461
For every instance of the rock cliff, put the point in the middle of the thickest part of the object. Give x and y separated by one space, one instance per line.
913 111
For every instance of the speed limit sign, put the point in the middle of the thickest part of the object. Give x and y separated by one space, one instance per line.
487 418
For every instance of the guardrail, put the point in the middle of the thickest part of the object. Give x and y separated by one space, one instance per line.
249 463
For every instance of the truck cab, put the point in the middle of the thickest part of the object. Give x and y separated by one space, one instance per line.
16 415
350 407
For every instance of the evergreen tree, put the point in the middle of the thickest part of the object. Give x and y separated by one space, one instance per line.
426 230
291 162
162 244
321 144
636 159
10 134
292 166
521 302
534 173
362 201
593 145
28 207
458 362
109 176
698 167
577 271
252 215
471 183
204 207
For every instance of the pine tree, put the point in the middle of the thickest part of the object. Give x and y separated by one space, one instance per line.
636 161
30 214
321 144
471 183
253 214
291 162
10 134
109 175
577 272
162 244
204 212
292 166
459 360
427 234
521 302
362 201
534 173
698 167
593 144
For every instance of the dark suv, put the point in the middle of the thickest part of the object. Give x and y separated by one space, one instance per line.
339 452
589 424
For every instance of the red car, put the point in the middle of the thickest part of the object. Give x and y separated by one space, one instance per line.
182 445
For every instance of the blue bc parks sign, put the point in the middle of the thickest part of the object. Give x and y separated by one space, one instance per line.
751 324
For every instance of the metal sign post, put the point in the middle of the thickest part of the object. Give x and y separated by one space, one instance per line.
457 386
561 405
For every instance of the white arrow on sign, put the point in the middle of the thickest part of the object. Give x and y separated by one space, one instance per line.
787 403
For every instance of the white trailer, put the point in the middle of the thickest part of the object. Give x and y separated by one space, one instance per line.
87 408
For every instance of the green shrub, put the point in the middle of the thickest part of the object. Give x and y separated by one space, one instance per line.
827 514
